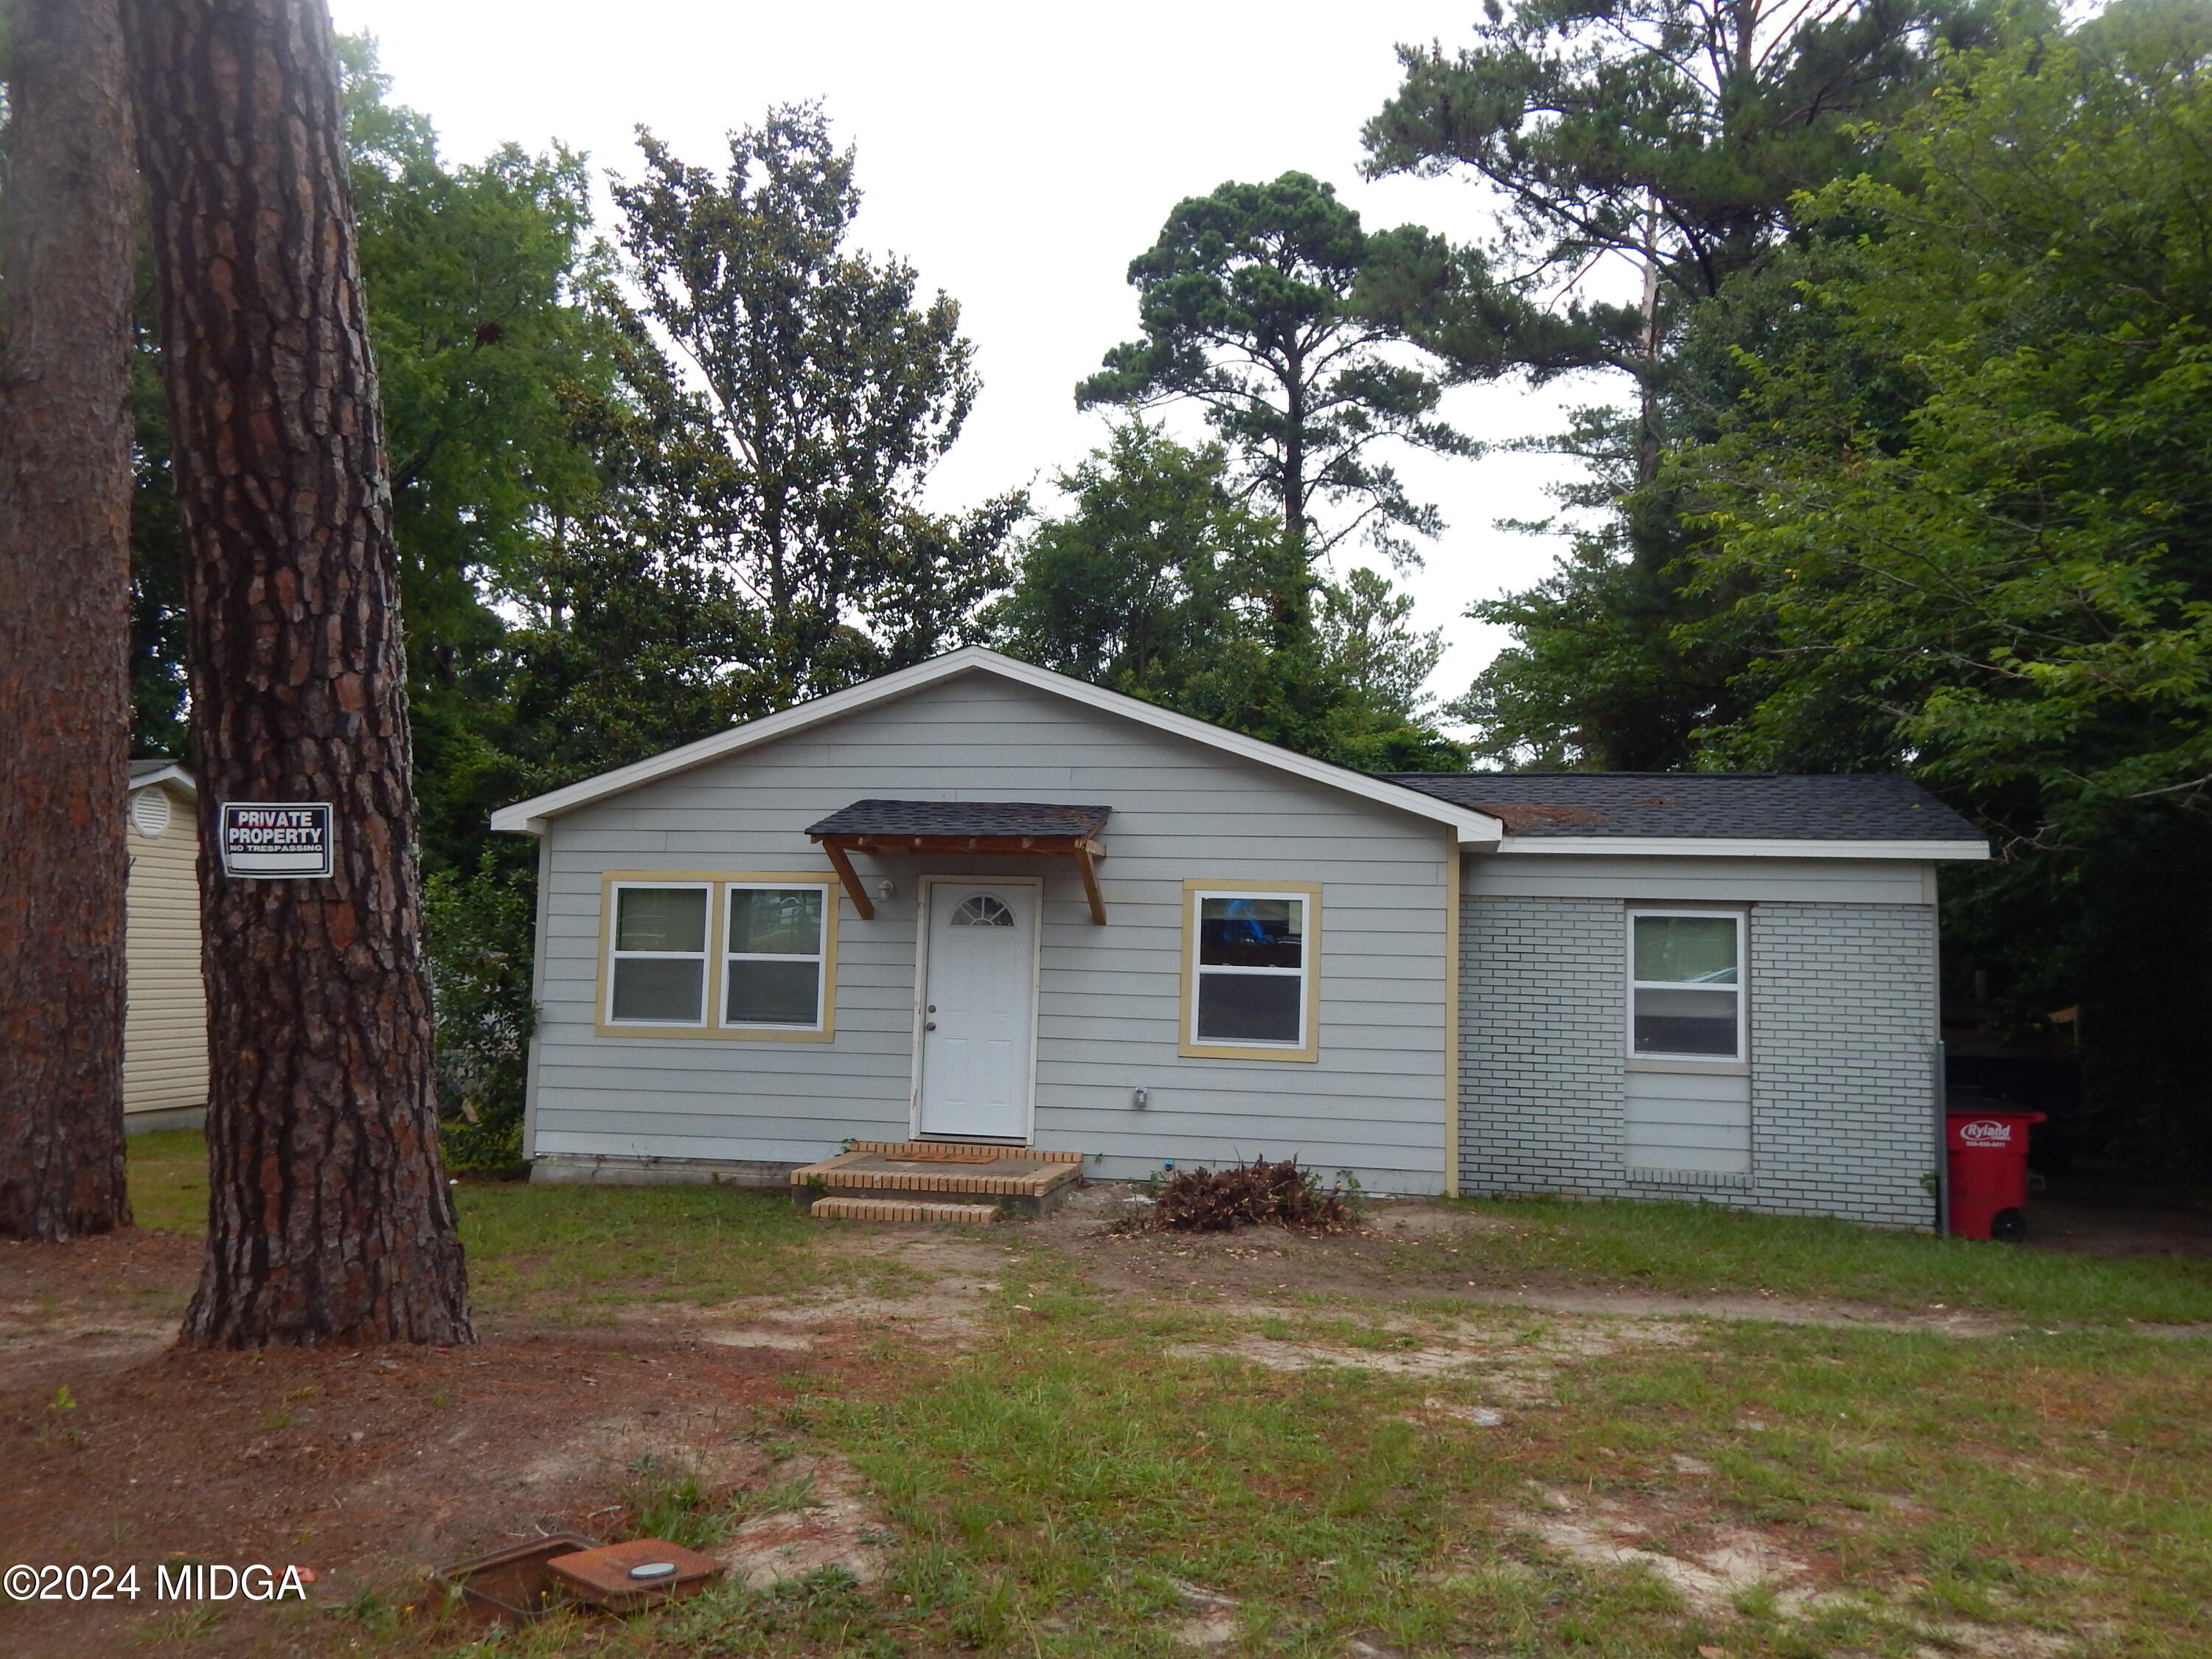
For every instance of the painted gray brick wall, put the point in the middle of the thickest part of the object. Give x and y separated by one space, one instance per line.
1540 1037
1843 1016
1843 1020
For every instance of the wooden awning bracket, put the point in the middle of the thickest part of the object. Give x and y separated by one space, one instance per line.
1085 850
1086 854
850 878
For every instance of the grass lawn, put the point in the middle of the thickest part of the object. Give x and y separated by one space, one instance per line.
1702 1248
1342 1471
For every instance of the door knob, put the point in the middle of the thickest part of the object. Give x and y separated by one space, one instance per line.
930 1026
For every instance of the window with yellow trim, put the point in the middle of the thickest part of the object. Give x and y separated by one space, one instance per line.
1249 973
658 971
773 969
742 954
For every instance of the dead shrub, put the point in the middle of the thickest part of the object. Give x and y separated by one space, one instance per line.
1278 1194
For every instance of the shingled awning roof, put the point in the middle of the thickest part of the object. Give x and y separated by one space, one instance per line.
1716 806
890 819
1018 827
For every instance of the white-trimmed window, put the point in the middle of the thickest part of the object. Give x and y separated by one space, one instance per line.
657 954
1685 985
1249 984
773 971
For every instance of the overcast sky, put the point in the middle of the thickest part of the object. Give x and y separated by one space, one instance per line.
1019 156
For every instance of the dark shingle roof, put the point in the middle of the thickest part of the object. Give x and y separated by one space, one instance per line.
1730 805
146 768
961 818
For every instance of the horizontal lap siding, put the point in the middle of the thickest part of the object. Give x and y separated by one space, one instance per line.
1109 1000
1841 1019
1688 1120
165 1062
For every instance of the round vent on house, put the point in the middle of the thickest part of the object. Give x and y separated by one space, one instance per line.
149 811
982 911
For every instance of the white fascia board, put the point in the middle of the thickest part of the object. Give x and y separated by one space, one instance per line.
532 817
170 774
1714 847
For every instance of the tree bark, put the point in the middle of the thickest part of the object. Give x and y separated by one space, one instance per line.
330 1219
65 272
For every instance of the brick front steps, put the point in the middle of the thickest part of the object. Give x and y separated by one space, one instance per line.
894 1209
877 1177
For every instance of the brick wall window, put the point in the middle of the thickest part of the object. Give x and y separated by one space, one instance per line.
1686 984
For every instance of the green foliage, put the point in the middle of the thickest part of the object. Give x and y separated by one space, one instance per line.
1958 517
673 1504
2013 583
478 926
1669 137
480 282
816 397
1268 306
1601 673
158 725
1664 131
1163 583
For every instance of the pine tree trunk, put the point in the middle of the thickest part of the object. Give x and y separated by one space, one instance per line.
64 620
329 1216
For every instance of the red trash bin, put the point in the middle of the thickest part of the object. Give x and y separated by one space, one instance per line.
1988 1166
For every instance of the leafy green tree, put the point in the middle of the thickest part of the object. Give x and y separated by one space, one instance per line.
1644 156
1961 520
1164 582
2009 580
481 282
480 978
1270 307
1667 134
820 396
1370 649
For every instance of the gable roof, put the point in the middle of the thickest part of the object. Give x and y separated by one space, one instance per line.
532 817
1856 815
146 772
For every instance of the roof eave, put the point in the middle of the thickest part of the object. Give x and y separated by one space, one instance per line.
1740 847
173 772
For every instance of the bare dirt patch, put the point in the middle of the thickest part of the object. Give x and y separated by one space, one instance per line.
102 1298
1513 1361
1707 1564
371 1467
938 1289
1713 1562
830 1523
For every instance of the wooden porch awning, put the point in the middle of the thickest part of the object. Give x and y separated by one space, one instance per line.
1025 828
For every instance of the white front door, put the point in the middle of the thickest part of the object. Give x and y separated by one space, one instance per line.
979 1009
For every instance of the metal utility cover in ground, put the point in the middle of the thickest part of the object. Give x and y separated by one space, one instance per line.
602 1576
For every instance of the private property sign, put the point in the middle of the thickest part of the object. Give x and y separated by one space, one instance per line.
281 839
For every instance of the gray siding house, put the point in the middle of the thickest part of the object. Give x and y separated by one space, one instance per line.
974 901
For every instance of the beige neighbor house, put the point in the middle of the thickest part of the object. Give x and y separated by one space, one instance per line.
165 1058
